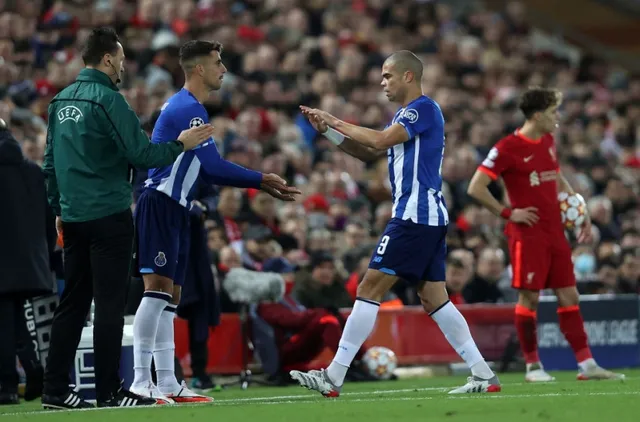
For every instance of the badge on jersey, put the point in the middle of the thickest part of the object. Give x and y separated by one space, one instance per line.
160 260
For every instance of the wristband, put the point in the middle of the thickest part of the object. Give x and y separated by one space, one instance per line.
334 136
506 213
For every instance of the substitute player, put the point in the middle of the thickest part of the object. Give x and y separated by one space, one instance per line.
162 218
540 252
413 245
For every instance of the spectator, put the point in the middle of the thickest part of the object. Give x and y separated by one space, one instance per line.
256 247
28 241
321 287
355 234
229 204
629 273
300 333
458 274
484 286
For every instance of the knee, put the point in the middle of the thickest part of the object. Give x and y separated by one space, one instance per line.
567 297
177 294
158 283
433 295
428 306
529 299
371 289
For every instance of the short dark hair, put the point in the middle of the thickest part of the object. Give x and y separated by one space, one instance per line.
101 41
405 60
538 99
195 49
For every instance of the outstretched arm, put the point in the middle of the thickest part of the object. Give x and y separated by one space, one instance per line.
360 151
348 145
377 139
222 172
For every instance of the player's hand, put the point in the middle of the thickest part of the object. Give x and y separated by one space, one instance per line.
316 122
193 137
277 187
526 216
325 117
586 235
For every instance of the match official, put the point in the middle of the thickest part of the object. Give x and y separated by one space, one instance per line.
94 141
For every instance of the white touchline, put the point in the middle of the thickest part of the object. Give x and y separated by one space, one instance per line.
304 398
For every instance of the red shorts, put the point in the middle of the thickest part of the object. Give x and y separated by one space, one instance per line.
540 263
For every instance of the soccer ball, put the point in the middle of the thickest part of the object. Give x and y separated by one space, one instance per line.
380 362
573 210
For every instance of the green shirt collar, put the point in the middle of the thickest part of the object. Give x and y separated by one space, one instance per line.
93 75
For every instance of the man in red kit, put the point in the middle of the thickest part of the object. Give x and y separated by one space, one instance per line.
540 252
300 334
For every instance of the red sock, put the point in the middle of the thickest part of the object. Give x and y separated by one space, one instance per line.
527 333
572 326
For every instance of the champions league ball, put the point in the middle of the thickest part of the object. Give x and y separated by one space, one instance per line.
380 362
573 210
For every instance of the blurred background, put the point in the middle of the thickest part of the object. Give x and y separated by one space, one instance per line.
478 56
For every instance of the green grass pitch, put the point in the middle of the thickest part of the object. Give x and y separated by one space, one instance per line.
404 400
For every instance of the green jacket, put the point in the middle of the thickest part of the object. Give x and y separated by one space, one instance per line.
312 294
94 140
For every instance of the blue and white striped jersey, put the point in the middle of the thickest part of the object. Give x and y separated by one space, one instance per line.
203 163
415 166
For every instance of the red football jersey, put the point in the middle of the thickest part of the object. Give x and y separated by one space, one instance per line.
529 169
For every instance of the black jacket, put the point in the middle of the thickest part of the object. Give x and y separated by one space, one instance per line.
27 224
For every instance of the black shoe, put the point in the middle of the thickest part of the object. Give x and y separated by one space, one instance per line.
202 384
9 398
70 400
33 389
125 398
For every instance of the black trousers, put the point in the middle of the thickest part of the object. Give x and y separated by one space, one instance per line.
16 340
97 263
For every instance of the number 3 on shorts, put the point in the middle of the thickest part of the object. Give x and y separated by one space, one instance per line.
383 245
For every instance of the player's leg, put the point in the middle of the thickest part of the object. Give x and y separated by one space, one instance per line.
530 262
157 258
562 280
400 253
164 350
526 329
360 323
453 325
435 301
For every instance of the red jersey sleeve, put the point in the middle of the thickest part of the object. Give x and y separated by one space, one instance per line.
497 161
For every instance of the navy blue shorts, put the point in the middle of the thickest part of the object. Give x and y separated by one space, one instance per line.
162 227
413 252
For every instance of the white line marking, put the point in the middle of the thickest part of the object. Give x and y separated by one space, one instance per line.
452 397
304 398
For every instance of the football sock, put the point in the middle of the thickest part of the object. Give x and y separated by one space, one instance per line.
527 333
164 352
145 327
572 326
358 327
456 330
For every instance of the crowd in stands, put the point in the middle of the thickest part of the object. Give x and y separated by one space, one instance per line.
328 54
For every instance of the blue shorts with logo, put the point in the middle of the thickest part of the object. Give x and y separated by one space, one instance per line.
413 252
162 230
